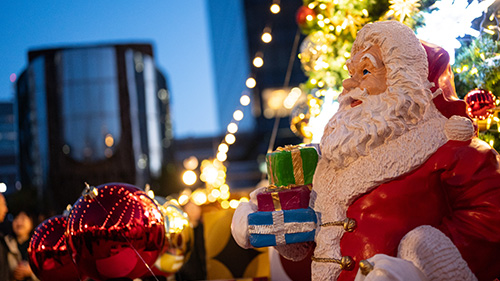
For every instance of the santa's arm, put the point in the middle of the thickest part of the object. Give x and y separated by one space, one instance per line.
473 189
468 239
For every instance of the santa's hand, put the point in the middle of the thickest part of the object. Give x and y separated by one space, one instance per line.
386 268
239 224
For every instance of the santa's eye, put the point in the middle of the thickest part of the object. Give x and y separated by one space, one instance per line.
365 71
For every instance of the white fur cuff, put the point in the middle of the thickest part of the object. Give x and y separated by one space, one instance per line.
239 224
434 254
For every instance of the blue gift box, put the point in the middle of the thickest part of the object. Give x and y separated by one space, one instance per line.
281 227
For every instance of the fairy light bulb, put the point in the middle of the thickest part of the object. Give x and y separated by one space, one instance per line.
221 156
232 128
251 83
258 61
275 8
223 148
266 37
230 138
245 100
234 203
238 115
199 197
189 177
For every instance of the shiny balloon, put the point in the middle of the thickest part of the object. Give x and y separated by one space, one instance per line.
49 257
179 238
115 231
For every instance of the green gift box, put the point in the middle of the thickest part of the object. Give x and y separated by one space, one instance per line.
291 165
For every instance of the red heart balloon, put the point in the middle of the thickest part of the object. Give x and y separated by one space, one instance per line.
49 257
115 231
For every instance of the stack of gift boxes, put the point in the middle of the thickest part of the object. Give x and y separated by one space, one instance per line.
284 215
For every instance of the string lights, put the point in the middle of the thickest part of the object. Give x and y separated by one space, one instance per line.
213 171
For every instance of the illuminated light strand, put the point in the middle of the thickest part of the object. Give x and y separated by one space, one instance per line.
222 193
213 171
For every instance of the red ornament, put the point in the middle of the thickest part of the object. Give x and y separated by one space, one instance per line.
302 13
49 257
115 231
479 102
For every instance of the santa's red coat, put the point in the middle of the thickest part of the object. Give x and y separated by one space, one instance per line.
456 191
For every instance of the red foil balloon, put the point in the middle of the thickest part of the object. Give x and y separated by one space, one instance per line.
49 257
115 231
479 102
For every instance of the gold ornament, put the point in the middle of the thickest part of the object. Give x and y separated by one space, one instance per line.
179 238
314 51
299 121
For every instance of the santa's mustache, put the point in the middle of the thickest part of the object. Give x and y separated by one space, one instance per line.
356 94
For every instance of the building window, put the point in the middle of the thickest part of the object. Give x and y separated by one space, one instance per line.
90 103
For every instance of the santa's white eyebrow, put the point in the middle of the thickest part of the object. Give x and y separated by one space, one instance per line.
371 58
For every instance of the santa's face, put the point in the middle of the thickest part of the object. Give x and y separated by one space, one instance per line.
367 71
365 118
385 96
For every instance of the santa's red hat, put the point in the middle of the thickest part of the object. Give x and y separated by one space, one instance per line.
441 75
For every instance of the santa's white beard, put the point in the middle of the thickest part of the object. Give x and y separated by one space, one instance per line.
354 131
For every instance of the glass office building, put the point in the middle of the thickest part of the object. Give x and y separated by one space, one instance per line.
92 114
8 148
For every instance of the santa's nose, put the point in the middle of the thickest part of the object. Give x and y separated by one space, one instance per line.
349 84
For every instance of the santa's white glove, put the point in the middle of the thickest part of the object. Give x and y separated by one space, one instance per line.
387 268
239 224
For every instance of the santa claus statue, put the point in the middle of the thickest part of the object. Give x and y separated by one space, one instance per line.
403 189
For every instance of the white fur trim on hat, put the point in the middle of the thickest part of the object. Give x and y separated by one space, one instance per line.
459 128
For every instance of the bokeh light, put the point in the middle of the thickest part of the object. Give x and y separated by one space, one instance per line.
224 204
245 100
109 140
275 8
221 156
230 138
223 147
251 83
199 197
189 177
258 62
232 128
238 115
190 163
266 37
234 203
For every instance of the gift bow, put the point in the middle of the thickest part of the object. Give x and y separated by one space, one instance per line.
298 171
